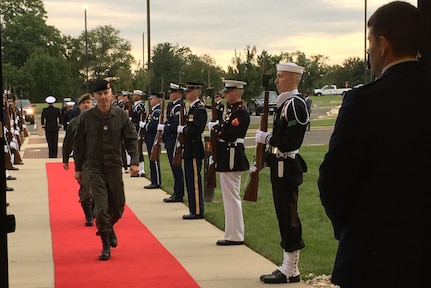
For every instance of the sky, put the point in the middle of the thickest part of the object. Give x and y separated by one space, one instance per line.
219 28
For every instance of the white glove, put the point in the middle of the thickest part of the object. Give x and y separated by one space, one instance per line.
160 127
210 160
211 124
253 168
180 128
142 124
263 137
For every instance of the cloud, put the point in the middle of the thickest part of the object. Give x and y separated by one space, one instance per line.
334 28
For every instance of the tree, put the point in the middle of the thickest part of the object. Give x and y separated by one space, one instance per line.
49 76
108 53
23 33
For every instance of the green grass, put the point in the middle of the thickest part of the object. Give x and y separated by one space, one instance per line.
261 227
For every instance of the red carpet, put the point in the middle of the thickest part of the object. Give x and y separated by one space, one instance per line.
140 260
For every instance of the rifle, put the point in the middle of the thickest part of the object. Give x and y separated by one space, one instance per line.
155 150
258 158
11 138
179 143
211 172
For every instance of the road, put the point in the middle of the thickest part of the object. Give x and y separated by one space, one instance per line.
317 135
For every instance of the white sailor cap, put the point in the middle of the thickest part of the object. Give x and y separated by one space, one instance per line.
290 67
138 92
233 84
50 99
70 103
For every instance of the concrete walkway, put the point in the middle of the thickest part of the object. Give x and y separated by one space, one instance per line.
191 242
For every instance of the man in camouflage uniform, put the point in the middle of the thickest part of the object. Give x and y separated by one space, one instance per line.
100 133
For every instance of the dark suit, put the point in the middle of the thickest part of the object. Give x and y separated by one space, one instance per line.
50 120
374 182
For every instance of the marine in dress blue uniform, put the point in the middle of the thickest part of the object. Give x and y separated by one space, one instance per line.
287 167
150 134
170 138
231 160
193 152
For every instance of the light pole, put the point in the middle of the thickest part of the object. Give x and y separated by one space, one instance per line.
86 48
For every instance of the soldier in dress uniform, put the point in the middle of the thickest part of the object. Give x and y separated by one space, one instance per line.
219 107
231 160
170 137
98 158
85 102
193 152
150 134
287 167
51 120
138 114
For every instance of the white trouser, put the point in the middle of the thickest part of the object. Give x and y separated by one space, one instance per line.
230 183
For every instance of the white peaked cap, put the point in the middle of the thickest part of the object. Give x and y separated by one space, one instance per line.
50 99
231 84
70 103
290 67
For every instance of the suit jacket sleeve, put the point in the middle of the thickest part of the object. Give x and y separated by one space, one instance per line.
341 168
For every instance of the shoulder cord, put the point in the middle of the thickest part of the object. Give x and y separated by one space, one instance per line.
286 105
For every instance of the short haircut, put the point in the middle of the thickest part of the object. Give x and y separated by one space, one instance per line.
402 24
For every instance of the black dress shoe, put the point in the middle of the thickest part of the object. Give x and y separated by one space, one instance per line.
10 177
278 277
193 216
7 204
225 242
142 175
13 168
173 199
152 186
18 163
136 175
9 188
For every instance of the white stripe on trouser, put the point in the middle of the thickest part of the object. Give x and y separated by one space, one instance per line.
141 168
230 183
290 263
157 166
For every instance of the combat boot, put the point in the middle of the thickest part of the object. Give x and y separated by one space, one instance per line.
113 238
88 211
106 247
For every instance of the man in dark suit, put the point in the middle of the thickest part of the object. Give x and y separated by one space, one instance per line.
51 121
374 180
193 152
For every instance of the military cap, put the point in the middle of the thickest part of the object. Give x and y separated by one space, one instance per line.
175 88
193 85
233 84
290 67
101 85
70 103
155 94
50 99
138 92
84 97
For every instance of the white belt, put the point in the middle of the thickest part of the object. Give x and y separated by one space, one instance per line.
238 140
284 155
